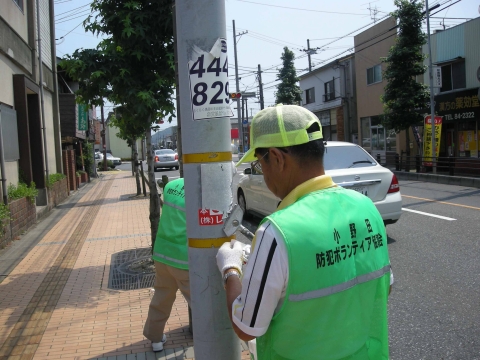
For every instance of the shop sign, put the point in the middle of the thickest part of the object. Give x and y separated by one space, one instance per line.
82 117
459 105
427 143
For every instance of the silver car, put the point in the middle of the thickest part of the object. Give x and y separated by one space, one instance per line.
165 158
350 166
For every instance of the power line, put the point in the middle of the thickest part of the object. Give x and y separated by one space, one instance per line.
60 38
72 10
310 10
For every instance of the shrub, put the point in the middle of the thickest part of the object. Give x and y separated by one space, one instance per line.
109 164
53 178
4 214
22 190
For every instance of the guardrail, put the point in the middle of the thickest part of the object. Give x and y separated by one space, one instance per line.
452 166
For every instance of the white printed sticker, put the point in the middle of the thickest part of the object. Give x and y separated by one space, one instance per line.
208 73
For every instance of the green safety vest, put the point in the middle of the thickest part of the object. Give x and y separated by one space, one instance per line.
171 242
339 277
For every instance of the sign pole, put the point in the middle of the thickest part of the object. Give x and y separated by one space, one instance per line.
207 167
432 96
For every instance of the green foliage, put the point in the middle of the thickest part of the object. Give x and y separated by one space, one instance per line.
109 164
404 96
53 178
22 190
133 65
4 214
288 92
88 159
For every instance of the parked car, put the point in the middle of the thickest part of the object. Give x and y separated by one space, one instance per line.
350 166
165 158
113 159
98 158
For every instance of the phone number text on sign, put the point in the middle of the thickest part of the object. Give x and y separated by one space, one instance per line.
208 73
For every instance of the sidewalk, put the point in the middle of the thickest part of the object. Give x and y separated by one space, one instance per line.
55 299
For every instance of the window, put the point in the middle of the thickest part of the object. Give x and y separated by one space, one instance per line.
19 3
453 76
374 74
329 90
310 96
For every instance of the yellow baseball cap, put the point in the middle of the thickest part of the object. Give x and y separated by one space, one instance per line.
281 126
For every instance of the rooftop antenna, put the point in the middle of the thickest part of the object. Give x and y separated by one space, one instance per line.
373 12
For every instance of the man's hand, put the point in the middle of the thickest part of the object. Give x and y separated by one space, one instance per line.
230 256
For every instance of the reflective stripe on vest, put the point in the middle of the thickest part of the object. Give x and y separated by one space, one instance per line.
340 287
170 259
174 206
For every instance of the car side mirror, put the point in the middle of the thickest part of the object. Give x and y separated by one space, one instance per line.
247 171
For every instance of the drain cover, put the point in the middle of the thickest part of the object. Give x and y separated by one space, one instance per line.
132 269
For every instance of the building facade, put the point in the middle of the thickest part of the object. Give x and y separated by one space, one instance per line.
456 54
329 92
32 106
370 46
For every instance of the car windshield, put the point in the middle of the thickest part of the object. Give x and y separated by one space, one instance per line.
345 157
164 152
109 155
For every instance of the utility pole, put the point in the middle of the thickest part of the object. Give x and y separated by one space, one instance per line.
432 101
246 125
207 168
237 82
103 141
309 59
260 85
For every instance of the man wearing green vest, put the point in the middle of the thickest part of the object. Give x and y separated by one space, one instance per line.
170 255
317 280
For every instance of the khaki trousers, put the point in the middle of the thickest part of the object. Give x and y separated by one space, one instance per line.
167 281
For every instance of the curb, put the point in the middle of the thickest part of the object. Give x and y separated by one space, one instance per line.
439 179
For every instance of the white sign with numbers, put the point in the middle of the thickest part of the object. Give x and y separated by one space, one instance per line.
208 73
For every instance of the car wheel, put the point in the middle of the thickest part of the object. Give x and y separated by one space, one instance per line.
176 167
243 204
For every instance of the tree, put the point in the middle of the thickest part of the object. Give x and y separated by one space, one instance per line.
404 96
129 131
133 66
288 92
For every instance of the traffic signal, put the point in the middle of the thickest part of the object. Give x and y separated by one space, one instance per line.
235 95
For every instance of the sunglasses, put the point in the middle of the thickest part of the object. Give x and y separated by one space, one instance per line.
257 166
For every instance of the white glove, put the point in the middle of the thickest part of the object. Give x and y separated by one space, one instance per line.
230 256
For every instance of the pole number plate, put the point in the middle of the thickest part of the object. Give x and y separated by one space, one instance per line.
208 73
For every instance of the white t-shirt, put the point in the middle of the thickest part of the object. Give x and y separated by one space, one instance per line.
264 282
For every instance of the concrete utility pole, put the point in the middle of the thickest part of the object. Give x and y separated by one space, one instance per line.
260 85
309 59
237 83
207 165
42 102
432 96
104 140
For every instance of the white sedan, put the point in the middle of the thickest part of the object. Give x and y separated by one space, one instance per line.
350 166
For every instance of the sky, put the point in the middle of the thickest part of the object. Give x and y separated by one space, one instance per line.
269 26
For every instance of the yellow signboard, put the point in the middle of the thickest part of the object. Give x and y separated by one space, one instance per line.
427 139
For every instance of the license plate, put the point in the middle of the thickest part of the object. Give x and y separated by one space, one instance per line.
361 189
166 159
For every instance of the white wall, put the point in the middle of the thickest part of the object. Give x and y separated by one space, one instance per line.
11 172
48 105
318 80
17 19
7 69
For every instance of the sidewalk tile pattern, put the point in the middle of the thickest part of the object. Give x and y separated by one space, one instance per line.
56 304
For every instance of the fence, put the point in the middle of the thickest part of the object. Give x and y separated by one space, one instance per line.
452 166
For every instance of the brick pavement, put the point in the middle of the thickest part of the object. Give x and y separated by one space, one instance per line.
55 304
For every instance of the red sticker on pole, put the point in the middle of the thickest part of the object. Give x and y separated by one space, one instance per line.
207 217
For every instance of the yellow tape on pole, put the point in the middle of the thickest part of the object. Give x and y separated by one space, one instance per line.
209 243
207 157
